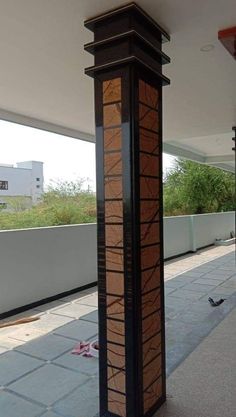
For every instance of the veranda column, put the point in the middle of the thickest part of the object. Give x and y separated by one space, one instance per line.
128 112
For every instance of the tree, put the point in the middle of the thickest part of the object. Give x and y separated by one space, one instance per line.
192 188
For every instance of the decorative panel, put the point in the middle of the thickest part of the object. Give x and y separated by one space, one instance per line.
150 178
114 258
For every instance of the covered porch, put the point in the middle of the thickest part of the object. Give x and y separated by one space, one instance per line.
155 322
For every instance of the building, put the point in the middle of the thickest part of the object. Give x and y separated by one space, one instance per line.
25 180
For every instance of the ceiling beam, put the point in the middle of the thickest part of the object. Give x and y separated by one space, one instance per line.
21 119
225 167
219 158
182 153
217 161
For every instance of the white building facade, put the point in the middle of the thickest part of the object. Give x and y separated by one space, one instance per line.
24 181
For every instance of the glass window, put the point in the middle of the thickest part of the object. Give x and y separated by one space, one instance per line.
3 185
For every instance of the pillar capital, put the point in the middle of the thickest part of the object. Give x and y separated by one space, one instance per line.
127 35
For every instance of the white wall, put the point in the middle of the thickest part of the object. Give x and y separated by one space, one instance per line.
189 233
209 227
19 181
39 263
36 172
22 180
177 235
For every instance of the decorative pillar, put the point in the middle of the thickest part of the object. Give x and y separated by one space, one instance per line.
128 113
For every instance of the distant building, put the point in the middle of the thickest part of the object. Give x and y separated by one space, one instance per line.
23 182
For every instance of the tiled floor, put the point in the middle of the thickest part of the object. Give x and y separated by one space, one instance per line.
40 377
204 383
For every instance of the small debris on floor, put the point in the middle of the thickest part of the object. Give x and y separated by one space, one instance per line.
215 303
86 349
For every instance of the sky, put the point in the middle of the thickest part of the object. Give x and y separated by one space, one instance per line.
64 158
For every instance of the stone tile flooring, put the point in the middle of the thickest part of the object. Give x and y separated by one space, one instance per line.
39 377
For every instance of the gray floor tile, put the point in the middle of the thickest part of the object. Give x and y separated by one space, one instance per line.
83 402
73 310
189 278
174 283
93 317
229 267
175 302
177 330
176 354
78 330
215 296
169 290
14 406
230 283
224 290
233 277
192 274
48 384
78 363
221 271
204 269
47 347
170 313
195 316
50 414
186 294
218 278
199 287
206 281
13 365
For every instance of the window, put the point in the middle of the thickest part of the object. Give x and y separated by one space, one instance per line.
38 186
3 185
37 179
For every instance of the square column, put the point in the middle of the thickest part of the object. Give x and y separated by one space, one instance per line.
128 113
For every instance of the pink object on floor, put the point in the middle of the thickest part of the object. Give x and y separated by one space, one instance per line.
86 349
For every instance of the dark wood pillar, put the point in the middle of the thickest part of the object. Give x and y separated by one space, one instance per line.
128 112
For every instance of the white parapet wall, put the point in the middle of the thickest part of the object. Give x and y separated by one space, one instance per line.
209 227
188 233
177 235
39 263
36 264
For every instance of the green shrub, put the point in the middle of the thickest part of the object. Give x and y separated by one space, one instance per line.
64 203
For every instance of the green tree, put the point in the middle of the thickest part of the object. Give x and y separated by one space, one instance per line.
192 188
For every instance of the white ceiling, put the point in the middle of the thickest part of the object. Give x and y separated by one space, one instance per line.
42 81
